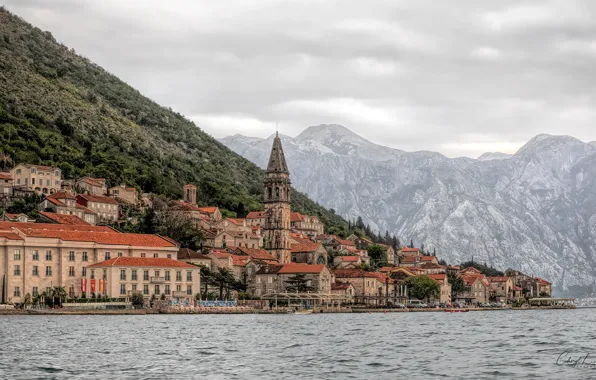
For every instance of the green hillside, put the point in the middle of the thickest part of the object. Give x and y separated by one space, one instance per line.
58 108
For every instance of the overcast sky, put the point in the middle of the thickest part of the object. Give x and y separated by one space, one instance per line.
457 77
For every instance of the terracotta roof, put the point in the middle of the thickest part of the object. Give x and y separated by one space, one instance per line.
269 269
386 269
256 253
190 185
61 195
352 273
414 259
470 270
517 288
110 238
408 249
304 246
7 226
39 167
341 285
186 205
221 254
255 215
344 241
302 268
381 277
240 260
63 219
470 279
97 198
208 210
296 217
94 181
542 281
498 279
5 175
189 254
236 221
143 262
10 236
349 259
439 276
10 216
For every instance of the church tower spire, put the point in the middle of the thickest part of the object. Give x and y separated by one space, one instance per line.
276 229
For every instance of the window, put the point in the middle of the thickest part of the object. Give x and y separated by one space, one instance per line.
155 255
84 256
48 255
48 271
156 273
156 290
167 275
71 291
35 270
108 256
93 274
145 289
47 182
119 254
36 255
122 288
17 291
145 275
34 170
189 276
71 256
71 271
18 171
142 254
84 272
178 275
134 275
18 181
33 181
189 290
35 291
105 274
167 290
169 256
134 288
178 288
123 274
17 254
17 270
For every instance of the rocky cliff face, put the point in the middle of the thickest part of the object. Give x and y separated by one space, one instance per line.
534 210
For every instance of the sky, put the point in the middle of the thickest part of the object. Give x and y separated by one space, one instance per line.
460 77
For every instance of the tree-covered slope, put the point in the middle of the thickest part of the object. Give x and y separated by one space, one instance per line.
58 108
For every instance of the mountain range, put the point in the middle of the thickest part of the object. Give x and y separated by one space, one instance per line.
534 210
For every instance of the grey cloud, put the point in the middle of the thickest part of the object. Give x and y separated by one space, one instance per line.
458 77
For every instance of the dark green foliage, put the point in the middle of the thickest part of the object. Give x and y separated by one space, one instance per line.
422 287
137 299
298 284
457 284
58 108
483 268
376 254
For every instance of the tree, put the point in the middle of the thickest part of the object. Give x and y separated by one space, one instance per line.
223 279
137 299
422 287
411 243
298 284
376 254
457 284
27 302
5 158
483 268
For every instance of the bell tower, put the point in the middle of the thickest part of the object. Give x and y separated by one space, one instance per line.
276 229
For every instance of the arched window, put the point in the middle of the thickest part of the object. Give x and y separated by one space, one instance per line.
277 192
320 260
269 192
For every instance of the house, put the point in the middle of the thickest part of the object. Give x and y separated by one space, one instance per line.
106 208
274 278
444 286
6 184
477 288
413 261
306 251
189 256
407 251
91 186
7 217
124 276
347 261
39 178
52 217
531 286
40 255
389 254
367 286
255 218
309 225
500 289
66 204
432 268
255 254
233 232
212 213
345 289
124 194
543 287
334 243
360 242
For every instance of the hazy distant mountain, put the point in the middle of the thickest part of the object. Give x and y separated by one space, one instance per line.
494 156
592 143
535 210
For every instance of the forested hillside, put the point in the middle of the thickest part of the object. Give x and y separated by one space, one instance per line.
58 108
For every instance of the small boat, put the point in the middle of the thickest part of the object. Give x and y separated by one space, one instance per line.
303 312
452 310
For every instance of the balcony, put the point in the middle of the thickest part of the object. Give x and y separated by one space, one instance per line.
157 280
179 294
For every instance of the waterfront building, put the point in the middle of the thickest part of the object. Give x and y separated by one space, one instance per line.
37 256
306 251
500 289
345 289
277 224
123 276
39 178
276 278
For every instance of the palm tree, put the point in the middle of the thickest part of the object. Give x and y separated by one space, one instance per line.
5 158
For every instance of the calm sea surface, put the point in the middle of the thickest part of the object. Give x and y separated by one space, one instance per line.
475 345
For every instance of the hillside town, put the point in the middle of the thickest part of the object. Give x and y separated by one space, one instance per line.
73 248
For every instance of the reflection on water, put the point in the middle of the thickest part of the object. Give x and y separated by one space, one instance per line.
476 345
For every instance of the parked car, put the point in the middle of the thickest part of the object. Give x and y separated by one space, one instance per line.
416 304
399 306
433 305
443 305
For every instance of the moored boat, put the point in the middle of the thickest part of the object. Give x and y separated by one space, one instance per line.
452 310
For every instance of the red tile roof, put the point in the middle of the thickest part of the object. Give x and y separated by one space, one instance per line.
143 262
302 268
304 246
97 199
208 210
542 281
94 181
408 249
256 253
189 254
344 241
414 259
439 276
255 215
4 175
10 236
110 238
386 269
296 217
61 195
39 167
352 273
186 205
517 288
63 219
236 221
7 226
349 259
498 279
240 260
